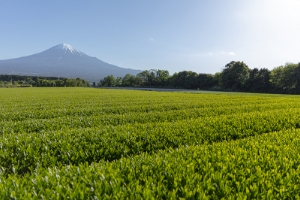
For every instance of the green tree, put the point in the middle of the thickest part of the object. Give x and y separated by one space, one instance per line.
172 80
162 77
109 81
179 79
129 80
143 78
235 75
59 83
297 78
206 81
153 78
218 79
284 78
118 81
78 82
191 80
259 81
70 82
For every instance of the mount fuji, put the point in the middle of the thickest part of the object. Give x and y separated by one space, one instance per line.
63 61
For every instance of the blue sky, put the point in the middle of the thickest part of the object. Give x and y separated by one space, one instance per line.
175 35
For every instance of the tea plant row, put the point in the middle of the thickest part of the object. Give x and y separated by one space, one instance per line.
24 151
83 143
260 167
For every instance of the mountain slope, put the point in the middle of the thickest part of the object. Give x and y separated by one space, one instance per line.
63 61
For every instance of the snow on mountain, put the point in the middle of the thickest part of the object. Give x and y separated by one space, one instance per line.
68 48
63 61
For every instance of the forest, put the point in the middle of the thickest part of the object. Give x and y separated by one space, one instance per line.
36 81
236 76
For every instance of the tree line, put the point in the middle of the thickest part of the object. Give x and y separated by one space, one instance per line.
236 76
37 81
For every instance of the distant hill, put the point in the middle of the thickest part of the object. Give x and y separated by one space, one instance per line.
63 61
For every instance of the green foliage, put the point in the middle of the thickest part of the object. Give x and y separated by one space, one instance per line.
235 75
186 79
108 81
259 81
264 167
35 81
153 78
129 80
285 78
207 81
84 143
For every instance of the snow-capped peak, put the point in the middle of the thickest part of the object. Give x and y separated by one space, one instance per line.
67 47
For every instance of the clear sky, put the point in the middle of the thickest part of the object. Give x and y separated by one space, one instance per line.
175 35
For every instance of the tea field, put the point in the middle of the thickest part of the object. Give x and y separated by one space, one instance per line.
86 143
